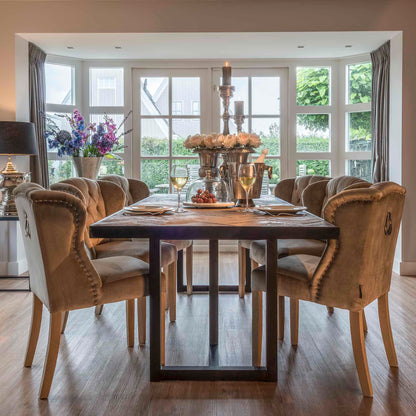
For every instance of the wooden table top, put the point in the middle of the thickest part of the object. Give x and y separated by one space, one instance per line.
228 224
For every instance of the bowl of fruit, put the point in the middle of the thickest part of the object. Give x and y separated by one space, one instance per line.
208 193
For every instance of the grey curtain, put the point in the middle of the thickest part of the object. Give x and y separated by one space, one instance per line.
380 59
37 98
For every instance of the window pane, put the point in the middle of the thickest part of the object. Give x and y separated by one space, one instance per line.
313 167
186 91
106 87
112 167
117 118
312 86
269 131
60 88
181 129
60 121
359 131
360 169
154 96
59 170
359 83
155 173
312 133
155 137
266 95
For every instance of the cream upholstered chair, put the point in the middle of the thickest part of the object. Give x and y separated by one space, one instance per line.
135 191
354 270
314 196
62 275
290 190
103 198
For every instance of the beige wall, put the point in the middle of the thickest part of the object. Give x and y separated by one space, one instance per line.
222 16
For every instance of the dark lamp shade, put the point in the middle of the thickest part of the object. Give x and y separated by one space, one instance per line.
17 138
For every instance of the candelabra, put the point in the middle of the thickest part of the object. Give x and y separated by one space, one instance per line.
226 92
239 120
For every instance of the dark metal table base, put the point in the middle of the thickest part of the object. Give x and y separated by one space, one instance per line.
213 371
15 290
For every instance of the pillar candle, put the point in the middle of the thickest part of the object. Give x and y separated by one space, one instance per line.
238 108
226 74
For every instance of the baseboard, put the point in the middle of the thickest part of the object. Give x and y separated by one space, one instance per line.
13 268
408 268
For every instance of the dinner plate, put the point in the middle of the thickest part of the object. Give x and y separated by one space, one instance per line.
281 209
208 205
150 209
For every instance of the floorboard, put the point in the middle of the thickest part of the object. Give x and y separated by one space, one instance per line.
97 375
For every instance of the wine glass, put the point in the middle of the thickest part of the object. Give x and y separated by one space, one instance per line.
179 178
247 178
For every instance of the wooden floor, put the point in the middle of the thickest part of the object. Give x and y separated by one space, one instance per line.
97 374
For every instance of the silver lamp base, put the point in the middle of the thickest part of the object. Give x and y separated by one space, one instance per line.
8 183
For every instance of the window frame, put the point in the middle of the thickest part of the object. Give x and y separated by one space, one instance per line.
65 108
343 109
204 115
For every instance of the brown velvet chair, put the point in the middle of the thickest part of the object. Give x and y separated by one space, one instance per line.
62 275
135 191
290 190
103 198
354 270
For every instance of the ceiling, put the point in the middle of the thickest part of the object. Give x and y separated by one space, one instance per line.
244 45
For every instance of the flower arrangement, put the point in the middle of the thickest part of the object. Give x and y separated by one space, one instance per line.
85 140
220 141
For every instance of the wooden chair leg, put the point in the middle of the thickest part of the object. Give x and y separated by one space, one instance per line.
256 327
189 269
360 355
52 354
64 321
141 320
384 317
330 309
281 327
365 328
162 327
130 322
37 308
294 321
241 271
99 310
172 291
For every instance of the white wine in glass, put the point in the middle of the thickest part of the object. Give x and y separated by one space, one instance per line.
179 178
247 178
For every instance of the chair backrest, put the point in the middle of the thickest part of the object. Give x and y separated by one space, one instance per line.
316 195
53 229
134 189
291 189
356 269
102 198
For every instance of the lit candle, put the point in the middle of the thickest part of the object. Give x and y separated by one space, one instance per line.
238 108
226 74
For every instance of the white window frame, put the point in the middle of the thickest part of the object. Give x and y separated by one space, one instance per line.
280 72
87 109
65 108
344 108
210 103
204 116
330 109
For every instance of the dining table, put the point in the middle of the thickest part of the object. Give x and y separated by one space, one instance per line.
214 225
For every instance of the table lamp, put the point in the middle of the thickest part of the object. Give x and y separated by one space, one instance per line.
16 138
